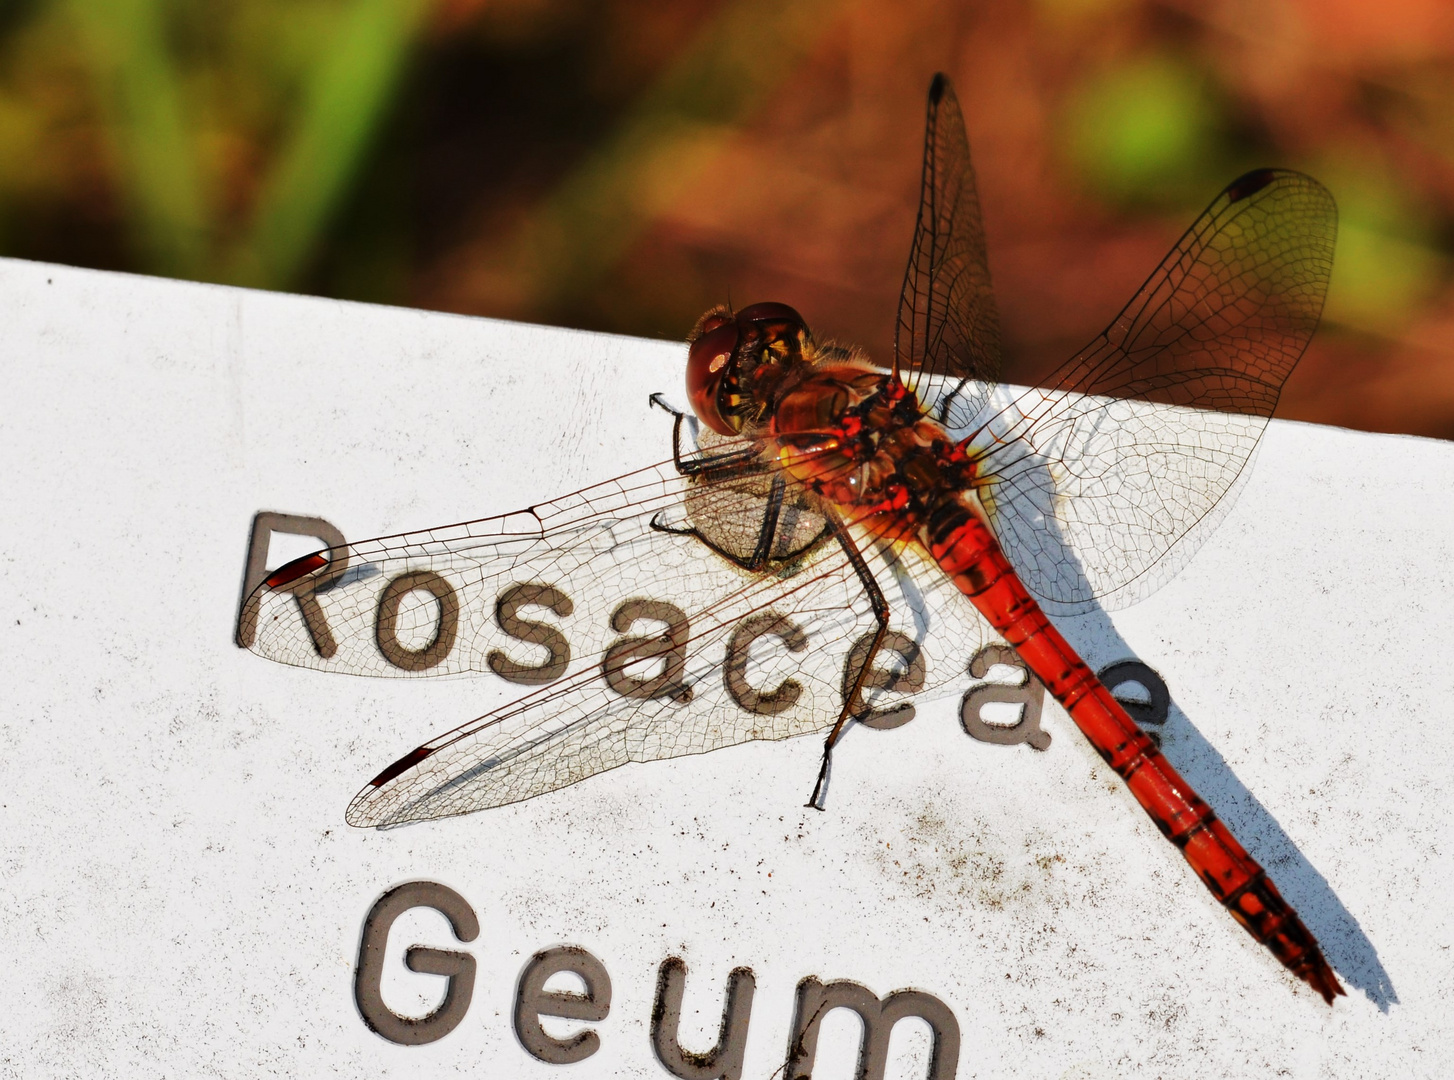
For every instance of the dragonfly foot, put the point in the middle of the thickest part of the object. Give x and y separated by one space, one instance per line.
659 400
815 800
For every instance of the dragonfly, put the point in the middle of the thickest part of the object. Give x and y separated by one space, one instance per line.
831 538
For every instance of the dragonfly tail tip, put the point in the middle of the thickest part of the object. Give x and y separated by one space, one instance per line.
1322 979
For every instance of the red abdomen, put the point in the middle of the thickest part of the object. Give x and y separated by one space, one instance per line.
964 547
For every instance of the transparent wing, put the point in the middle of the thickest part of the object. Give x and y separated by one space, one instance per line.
948 328
1103 483
668 698
457 599
635 641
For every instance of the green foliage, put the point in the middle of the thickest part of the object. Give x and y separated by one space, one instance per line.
168 78
1387 263
346 92
1145 132
137 88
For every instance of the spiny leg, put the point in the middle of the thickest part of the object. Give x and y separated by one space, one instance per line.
730 461
851 697
766 533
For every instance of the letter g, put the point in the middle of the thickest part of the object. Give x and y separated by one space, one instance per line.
458 967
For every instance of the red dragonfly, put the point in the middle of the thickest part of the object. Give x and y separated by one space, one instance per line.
821 515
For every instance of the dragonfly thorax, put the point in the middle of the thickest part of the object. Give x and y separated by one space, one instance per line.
850 433
856 437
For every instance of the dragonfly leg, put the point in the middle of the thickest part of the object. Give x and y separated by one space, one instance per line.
704 463
770 516
767 532
852 705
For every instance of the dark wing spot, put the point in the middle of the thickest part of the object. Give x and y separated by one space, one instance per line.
408 761
292 571
1250 184
936 88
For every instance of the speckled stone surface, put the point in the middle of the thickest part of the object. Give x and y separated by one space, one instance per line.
180 895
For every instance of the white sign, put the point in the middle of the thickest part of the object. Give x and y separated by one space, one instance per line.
183 896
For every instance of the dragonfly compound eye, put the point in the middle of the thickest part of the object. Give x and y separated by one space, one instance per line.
708 363
768 314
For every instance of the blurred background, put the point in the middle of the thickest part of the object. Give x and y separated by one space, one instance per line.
622 165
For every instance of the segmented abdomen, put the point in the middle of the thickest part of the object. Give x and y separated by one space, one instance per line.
965 548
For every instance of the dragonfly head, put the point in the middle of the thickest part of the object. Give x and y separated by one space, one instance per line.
737 358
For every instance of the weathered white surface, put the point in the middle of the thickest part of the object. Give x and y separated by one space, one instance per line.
179 895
